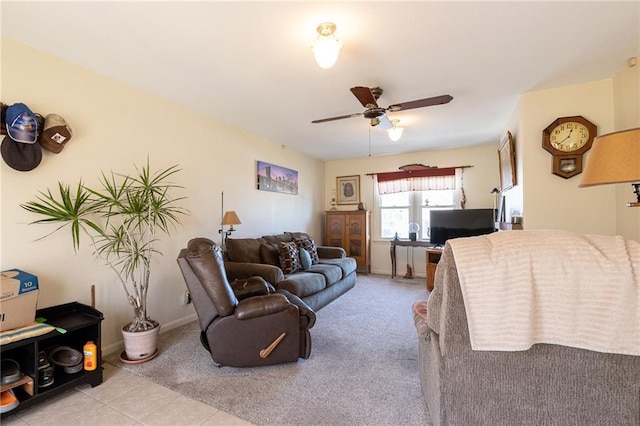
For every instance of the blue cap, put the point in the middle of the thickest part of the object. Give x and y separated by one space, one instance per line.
22 123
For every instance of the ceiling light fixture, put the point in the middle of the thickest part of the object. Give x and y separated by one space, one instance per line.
615 158
326 47
395 132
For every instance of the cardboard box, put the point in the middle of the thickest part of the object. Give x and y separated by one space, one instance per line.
18 299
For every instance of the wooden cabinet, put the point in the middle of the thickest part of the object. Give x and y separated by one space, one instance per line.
433 257
351 231
80 323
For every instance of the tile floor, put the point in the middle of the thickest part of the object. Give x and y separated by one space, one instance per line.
111 403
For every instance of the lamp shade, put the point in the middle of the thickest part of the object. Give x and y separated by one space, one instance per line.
395 132
231 218
614 158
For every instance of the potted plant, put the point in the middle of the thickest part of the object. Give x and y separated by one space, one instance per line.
123 219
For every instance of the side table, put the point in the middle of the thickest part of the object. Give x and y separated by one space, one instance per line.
403 243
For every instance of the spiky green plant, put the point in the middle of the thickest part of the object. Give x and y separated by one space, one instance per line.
123 220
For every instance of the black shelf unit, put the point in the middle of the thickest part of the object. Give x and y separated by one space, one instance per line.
82 323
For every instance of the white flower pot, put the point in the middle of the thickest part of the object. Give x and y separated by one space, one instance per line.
142 345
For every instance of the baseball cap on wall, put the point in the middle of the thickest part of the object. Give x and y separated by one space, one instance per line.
21 123
20 156
55 134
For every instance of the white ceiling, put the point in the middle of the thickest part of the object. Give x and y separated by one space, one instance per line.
250 64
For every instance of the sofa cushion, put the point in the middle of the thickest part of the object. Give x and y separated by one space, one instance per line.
289 258
309 245
347 264
331 273
277 239
303 283
244 249
270 254
305 259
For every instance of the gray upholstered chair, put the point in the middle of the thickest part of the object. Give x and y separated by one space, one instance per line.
246 323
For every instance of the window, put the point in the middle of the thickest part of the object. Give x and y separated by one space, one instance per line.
394 214
399 209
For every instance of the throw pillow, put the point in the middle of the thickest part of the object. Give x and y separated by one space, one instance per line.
289 258
309 245
305 259
270 254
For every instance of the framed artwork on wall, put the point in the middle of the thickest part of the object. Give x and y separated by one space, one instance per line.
276 178
506 157
348 189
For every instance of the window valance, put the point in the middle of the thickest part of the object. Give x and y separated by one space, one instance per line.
411 174
431 178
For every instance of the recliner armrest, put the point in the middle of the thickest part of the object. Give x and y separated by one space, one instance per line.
260 306
243 270
307 315
250 287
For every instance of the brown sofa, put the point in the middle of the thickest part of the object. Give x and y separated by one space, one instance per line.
331 276
545 385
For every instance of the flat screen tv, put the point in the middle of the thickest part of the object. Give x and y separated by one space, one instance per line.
447 224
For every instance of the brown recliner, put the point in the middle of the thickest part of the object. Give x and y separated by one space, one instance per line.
246 324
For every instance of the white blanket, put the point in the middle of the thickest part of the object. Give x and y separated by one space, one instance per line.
549 286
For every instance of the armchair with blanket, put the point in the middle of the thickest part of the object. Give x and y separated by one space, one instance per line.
248 323
532 328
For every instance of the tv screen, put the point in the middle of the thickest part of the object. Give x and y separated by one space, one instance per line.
447 224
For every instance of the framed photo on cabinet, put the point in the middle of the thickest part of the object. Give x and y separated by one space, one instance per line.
348 189
506 157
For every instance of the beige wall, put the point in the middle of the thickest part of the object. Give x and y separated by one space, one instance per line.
556 203
478 182
550 201
117 127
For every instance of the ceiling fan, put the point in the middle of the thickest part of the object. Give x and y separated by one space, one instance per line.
368 97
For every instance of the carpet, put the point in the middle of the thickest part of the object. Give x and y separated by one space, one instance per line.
363 367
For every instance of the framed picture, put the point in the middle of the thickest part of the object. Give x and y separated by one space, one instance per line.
506 157
348 189
276 178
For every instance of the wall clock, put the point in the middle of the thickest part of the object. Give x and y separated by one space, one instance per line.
567 139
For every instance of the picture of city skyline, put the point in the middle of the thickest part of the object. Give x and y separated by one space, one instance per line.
276 178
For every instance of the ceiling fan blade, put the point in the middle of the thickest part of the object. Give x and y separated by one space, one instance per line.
365 96
323 120
436 100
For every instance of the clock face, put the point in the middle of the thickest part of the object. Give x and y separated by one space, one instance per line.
569 136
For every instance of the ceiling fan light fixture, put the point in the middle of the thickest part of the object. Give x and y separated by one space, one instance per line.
395 132
327 47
